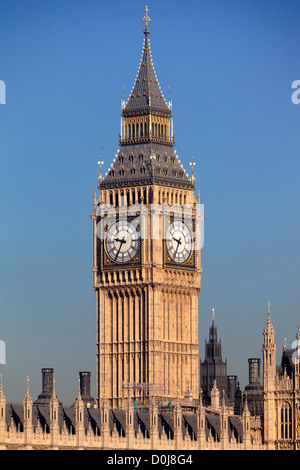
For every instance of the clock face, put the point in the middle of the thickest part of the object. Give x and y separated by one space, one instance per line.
122 241
179 241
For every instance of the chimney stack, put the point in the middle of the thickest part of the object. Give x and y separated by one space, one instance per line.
85 387
47 387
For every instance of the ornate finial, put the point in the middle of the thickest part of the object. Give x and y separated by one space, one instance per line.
269 312
146 20
192 164
213 312
152 158
170 101
27 386
123 101
100 163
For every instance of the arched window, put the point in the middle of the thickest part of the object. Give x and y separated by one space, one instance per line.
286 421
129 131
117 199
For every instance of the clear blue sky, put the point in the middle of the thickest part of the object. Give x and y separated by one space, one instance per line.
230 66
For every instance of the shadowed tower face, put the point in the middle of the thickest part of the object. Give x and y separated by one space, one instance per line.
147 269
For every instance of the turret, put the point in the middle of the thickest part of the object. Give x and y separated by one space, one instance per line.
269 354
269 378
27 414
3 426
54 410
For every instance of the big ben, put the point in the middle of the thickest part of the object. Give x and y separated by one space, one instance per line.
147 265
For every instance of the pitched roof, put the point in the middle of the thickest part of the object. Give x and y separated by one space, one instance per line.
135 164
146 94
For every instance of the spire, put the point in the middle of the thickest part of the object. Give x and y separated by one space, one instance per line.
146 93
213 336
269 351
269 330
27 396
54 397
284 345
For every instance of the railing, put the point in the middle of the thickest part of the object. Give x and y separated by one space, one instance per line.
149 137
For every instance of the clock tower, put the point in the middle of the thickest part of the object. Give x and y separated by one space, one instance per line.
147 270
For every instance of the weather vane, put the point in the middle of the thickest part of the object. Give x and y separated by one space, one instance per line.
146 19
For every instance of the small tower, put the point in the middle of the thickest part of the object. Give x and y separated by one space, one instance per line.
213 368
79 421
54 409
246 425
27 413
224 437
3 426
215 397
153 424
177 425
201 419
269 378
129 425
105 431
269 352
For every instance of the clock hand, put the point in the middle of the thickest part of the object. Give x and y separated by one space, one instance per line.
121 243
178 243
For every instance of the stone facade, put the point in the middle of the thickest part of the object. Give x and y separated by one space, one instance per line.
148 394
184 424
281 388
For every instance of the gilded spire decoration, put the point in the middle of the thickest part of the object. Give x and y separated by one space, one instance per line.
100 163
193 164
146 20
